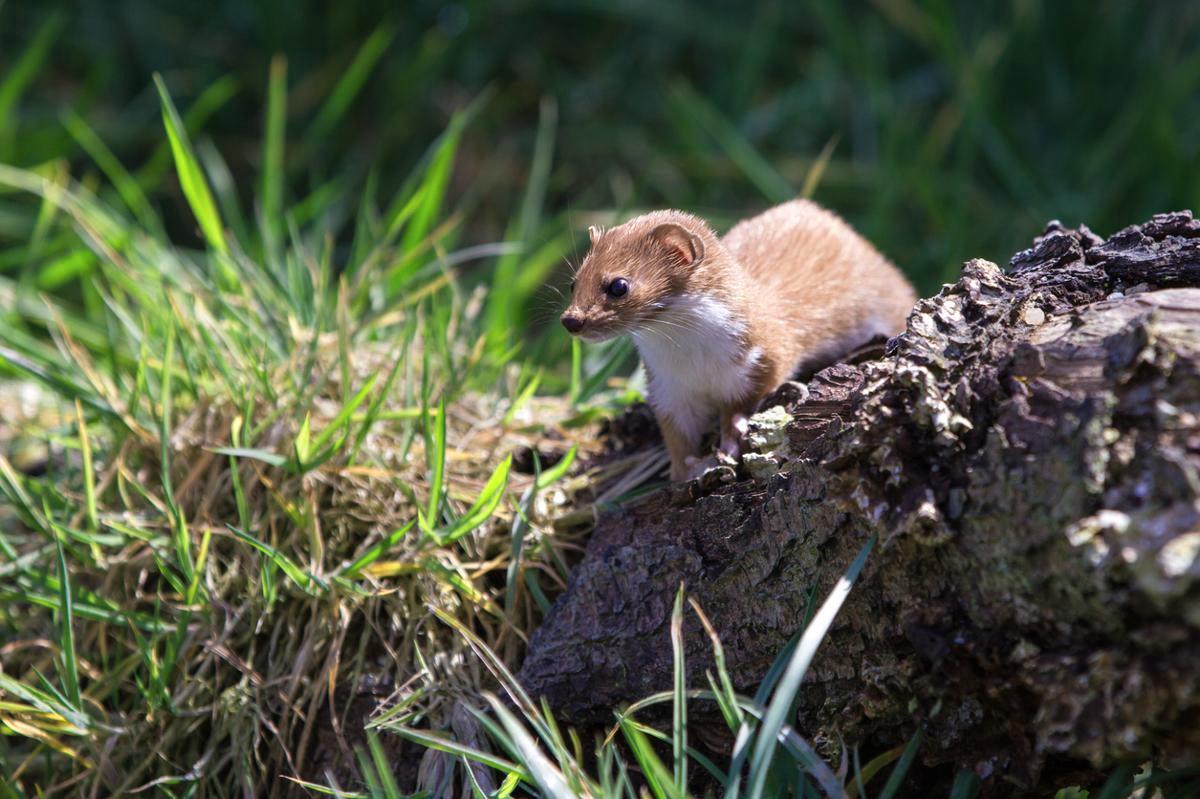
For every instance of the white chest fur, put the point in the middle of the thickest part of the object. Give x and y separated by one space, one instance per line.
696 359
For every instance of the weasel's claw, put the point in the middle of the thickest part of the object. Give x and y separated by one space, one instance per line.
714 470
698 466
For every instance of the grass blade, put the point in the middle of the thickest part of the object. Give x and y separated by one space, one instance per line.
127 187
349 85
799 749
382 766
325 790
725 694
344 415
653 771
966 785
27 66
813 178
191 178
754 166
896 778
272 156
433 189
541 770
789 683
679 703
1120 782
443 743
202 109
866 773
541 480
266 456
67 631
302 445
485 505
89 471
705 763
576 385
505 304
548 477
534 586
182 541
616 353
501 672
522 398
374 553
366 768
435 449
305 580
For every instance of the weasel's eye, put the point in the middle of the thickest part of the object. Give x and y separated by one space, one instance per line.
618 288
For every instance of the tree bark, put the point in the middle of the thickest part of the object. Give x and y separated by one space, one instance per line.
1028 452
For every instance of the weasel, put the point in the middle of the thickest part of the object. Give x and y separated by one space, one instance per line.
720 322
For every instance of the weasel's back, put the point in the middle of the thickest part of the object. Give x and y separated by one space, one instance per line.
819 288
805 253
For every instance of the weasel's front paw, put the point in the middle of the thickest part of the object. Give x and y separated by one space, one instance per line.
711 471
700 476
696 467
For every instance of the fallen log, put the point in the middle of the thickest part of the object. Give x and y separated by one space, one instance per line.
1028 453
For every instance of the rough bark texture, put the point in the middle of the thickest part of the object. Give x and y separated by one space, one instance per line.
1029 453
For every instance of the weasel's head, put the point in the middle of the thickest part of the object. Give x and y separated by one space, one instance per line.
632 272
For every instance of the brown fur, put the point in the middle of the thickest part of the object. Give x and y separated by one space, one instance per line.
800 284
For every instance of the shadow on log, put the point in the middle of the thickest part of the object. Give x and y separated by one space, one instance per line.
1029 453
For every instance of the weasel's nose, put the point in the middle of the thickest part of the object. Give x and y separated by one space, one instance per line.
573 324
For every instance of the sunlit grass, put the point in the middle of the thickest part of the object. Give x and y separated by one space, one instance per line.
263 463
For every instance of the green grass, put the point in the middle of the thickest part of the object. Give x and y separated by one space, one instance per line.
261 468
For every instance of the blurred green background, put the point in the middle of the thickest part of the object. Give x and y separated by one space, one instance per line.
956 129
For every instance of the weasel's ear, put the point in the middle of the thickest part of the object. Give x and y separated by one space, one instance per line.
686 247
594 233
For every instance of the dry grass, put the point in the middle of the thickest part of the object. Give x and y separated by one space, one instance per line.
265 666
